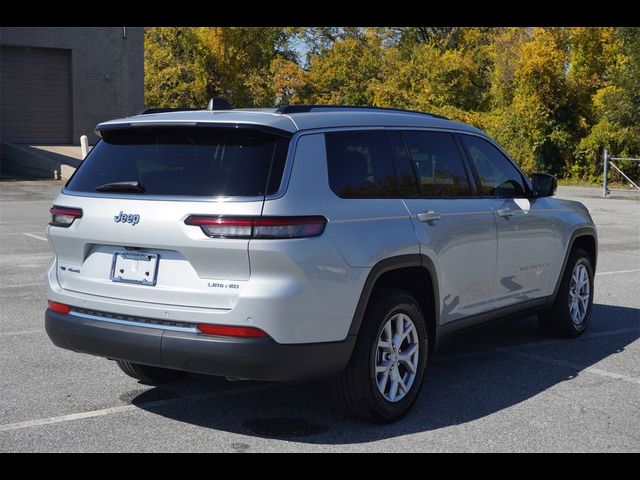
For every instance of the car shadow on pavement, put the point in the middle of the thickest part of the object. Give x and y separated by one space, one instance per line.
474 375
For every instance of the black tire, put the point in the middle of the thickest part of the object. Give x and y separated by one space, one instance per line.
357 390
150 375
557 321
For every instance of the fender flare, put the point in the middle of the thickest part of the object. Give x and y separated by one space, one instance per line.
388 265
578 233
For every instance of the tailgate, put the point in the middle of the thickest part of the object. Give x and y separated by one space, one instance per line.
192 268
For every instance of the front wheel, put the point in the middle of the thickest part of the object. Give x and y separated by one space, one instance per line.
385 372
571 311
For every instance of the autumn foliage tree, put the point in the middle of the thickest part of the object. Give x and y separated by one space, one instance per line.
553 97
186 66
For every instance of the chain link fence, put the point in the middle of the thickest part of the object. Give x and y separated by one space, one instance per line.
615 170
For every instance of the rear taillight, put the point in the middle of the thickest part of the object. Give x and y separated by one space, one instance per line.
59 307
259 227
64 216
222 227
228 331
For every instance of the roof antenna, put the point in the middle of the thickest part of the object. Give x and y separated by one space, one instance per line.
219 103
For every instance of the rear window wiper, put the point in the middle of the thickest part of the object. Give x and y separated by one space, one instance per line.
130 187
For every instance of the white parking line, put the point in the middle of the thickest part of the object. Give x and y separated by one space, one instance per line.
130 408
619 271
35 236
531 356
23 285
21 332
575 366
605 333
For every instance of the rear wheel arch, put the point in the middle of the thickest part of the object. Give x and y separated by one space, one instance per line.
414 274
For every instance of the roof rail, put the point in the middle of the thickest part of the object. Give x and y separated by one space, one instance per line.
216 103
285 109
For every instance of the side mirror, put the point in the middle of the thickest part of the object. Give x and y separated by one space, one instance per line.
544 185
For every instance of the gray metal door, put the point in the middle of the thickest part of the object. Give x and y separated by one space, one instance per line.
530 233
35 95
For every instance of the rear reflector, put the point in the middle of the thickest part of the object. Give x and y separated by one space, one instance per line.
59 307
63 216
227 331
259 227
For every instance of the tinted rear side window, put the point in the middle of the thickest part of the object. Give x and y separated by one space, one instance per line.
360 164
198 161
437 163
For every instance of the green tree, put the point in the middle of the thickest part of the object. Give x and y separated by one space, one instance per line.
616 109
176 70
554 97
237 54
187 66
542 116
344 73
283 82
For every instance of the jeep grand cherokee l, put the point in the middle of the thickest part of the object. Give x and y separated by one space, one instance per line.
306 242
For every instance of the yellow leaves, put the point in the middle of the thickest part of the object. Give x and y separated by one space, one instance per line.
185 66
540 91
344 73
603 94
173 68
283 82
288 79
427 80
542 66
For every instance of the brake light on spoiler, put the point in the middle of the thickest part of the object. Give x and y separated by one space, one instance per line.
258 227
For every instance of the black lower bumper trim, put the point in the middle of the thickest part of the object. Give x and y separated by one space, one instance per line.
250 358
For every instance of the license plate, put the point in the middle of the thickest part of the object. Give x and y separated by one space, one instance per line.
135 267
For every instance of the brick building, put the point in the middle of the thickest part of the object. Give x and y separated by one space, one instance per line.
57 83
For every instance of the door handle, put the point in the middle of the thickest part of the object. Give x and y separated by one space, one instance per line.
429 216
505 212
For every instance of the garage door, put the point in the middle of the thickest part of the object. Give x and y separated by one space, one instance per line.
35 95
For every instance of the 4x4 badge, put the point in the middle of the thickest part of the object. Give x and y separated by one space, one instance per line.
126 218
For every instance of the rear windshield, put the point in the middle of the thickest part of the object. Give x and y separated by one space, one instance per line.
199 161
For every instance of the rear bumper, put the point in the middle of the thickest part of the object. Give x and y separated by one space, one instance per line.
250 358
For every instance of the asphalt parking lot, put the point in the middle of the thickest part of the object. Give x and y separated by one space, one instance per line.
501 388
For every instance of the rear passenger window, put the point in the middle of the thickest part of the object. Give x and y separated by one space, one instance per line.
437 163
496 174
360 164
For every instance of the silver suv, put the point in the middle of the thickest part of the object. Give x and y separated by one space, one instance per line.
306 242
